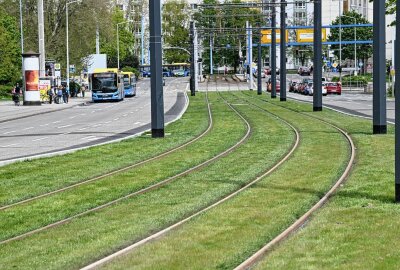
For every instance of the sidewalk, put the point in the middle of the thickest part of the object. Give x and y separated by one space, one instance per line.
8 111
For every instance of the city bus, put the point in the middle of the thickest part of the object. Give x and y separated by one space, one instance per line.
169 70
107 84
129 84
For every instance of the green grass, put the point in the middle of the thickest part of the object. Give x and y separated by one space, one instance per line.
83 240
358 229
31 178
228 128
225 236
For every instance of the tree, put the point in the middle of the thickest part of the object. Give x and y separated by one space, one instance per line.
176 30
10 51
364 51
228 30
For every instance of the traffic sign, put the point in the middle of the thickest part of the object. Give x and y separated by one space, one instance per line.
360 64
335 65
266 37
307 35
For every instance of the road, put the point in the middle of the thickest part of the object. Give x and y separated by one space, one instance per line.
86 125
349 102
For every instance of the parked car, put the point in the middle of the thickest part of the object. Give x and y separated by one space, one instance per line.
304 71
333 88
269 85
310 89
268 71
178 73
304 83
293 85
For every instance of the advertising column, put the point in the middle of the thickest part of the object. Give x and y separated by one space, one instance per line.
31 71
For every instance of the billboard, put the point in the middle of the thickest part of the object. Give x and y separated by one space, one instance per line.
267 39
307 35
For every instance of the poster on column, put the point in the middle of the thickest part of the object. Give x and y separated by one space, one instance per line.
32 80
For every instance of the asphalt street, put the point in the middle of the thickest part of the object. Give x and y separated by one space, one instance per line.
64 129
351 102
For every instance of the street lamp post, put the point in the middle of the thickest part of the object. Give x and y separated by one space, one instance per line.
22 41
118 38
66 10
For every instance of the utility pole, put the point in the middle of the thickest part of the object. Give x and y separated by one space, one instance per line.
397 104
157 98
379 94
195 59
211 55
42 56
192 64
273 51
283 51
317 95
251 56
259 65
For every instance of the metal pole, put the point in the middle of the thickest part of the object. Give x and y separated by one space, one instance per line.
157 99
22 45
248 50
211 56
66 10
273 50
355 49
196 58
283 51
142 42
259 66
379 94
118 43
97 40
192 71
340 39
251 56
317 95
397 105
42 55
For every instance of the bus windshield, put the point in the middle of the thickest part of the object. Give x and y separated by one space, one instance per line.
126 80
104 82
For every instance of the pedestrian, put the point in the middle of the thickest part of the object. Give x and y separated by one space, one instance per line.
83 89
50 93
64 94
59 94
17 89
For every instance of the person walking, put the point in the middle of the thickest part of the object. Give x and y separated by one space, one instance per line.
83 89
50 93
59 95
64 94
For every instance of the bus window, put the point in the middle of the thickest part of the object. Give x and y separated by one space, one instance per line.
105 82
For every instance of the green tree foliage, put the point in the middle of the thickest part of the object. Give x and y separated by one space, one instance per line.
10 51
364 51
85 17
175 24
227 29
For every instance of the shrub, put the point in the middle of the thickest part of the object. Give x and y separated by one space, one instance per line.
5 91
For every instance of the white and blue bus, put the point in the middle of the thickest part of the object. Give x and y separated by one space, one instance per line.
107 84
129 84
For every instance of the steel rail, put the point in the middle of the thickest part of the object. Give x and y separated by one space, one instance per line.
124 169
139 192
256 257
224 199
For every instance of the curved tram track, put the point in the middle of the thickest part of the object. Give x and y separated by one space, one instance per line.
224 199
144 190
251 261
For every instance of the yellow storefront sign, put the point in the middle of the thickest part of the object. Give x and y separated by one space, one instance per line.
267 39
307 35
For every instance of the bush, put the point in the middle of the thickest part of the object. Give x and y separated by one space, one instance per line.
5 91
131 69
348 80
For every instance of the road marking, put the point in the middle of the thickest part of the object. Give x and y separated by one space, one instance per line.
65 126
116 119
137 123
93 139
40 139
108 122
28 128
5 133
97 125
83 128
89 137
56 122
124 115
15 144
44 125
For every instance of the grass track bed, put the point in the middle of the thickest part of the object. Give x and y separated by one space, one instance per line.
228 234
227 130
24 180
88 238
358 229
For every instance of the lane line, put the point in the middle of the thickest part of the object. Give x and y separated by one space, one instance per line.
40 139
